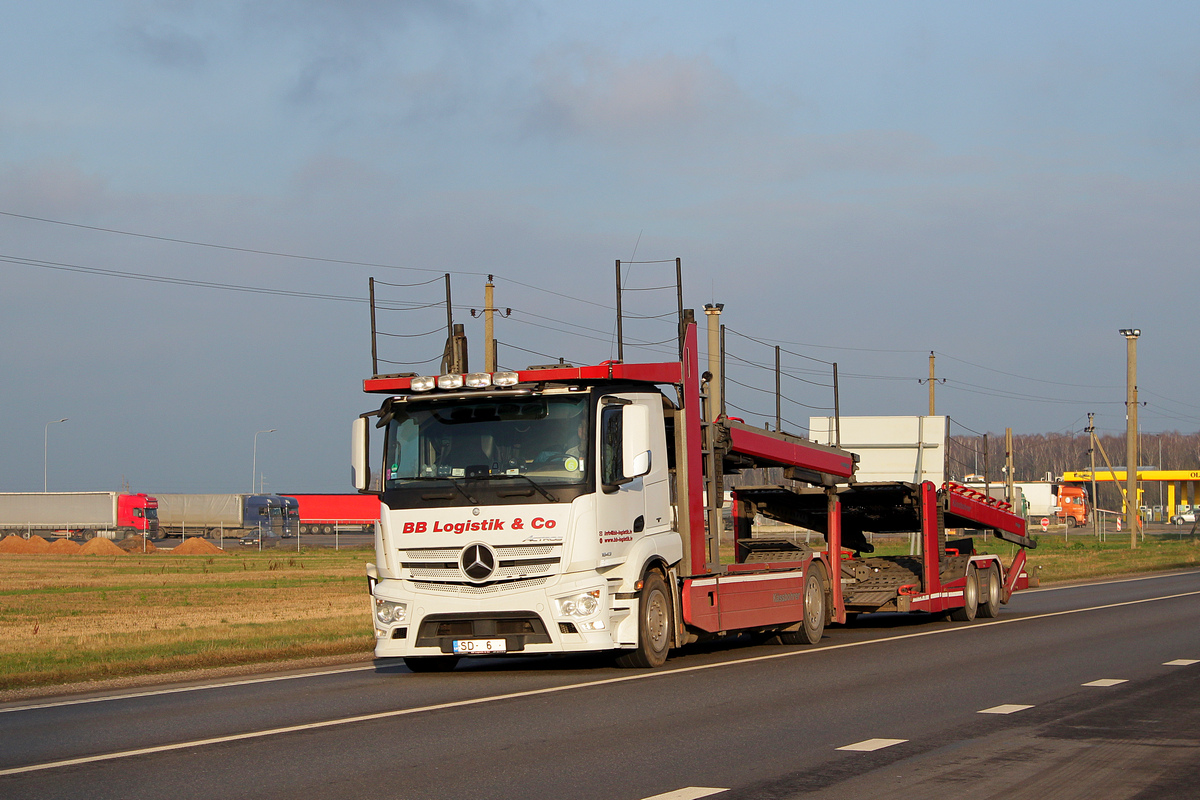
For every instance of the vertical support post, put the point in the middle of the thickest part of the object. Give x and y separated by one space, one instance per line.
930 538
715 367
1131 444
722 371
679 292
1091 428
833 541
691 488
837 411
932 382
620 332
449 311
374 348
987 475
489 332
778 394
1008 466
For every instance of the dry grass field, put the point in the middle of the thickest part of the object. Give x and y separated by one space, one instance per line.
66 618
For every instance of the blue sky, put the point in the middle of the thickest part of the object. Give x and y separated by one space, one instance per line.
1004 184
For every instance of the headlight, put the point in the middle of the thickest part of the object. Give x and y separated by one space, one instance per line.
579 605
387 612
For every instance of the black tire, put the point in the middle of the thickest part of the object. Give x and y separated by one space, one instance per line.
431 663
655 622
970 599
328 529
1070 522
812 627
989 595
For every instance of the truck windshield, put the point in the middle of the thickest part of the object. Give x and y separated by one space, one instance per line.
544 439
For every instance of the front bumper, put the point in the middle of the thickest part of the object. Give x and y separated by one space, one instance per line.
528 620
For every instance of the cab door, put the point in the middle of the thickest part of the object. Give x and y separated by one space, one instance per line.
633 498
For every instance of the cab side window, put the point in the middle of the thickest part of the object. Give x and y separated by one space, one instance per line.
610 443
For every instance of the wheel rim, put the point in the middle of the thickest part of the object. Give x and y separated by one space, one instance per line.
814 609
656 620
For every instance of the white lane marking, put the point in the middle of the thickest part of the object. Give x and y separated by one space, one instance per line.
687 793
197 688
1106 682
871 745
641 676
1108 582
1005 709
1181 662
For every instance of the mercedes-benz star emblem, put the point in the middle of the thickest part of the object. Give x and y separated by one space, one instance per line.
478 562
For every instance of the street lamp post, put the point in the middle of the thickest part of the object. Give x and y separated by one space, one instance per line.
1132 512
46 455
254 463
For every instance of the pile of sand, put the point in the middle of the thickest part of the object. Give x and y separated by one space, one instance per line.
137 544
64 547
15 544
100 546
197 546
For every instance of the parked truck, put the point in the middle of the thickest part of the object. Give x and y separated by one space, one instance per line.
111 515
336 513
563 510
227 515
1062 503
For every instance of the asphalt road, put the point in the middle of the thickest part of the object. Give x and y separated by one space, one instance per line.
1075 692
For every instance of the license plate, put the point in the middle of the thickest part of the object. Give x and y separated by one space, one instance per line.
479 647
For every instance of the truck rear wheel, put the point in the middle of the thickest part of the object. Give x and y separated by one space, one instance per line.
970 599
654 626
990 607
812 627
431 663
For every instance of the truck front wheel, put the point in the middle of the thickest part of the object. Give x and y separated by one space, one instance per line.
654 626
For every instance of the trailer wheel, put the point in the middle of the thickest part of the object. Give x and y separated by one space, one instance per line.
990 607
654 626
431 663
970 599
813 625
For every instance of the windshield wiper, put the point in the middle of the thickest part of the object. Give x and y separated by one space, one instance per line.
546 494
453 482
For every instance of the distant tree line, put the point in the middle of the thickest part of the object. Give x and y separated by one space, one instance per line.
1036 455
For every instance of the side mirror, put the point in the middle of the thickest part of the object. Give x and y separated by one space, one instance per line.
360 471
635 441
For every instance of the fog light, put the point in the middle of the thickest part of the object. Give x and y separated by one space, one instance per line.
450 381
423 384
505 378
478 380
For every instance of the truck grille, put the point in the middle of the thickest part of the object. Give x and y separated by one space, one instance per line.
442 567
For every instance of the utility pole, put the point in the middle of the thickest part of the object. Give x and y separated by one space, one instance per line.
1091 429
1131 445
489 325
1008 466
932 381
